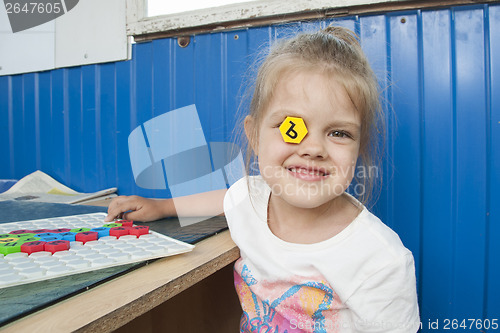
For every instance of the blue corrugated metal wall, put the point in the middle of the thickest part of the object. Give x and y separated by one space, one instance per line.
441 189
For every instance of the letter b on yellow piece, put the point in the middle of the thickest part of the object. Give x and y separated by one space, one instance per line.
293 129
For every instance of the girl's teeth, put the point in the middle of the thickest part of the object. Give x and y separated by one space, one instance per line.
307 172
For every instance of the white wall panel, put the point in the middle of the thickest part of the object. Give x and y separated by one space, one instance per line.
92 32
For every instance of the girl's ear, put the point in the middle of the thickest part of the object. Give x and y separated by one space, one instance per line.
250 131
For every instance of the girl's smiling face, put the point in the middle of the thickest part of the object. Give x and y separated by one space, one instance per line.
320 168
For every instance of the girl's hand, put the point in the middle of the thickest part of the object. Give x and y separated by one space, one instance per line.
138 209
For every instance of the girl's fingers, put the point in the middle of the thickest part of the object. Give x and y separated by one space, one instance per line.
117 207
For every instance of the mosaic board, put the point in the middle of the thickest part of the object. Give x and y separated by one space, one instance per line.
43 249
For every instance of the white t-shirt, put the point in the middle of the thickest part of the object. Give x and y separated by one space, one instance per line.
360 280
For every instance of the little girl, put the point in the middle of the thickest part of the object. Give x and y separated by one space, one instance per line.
313 258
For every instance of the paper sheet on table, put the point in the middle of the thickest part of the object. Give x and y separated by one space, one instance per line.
40 187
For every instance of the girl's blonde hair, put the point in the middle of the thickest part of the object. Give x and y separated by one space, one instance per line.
336 52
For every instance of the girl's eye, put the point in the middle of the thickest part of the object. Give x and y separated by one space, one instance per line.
339 134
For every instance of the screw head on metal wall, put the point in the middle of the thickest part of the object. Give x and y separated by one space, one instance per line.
183 41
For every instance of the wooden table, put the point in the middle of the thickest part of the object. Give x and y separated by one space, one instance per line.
138 297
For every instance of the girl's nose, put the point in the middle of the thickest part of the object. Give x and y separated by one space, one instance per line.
312 147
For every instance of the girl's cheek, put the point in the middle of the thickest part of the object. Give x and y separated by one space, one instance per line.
275 143
344 161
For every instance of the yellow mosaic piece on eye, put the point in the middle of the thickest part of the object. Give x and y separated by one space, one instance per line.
293 129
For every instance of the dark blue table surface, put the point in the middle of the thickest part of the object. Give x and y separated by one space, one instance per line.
18 301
